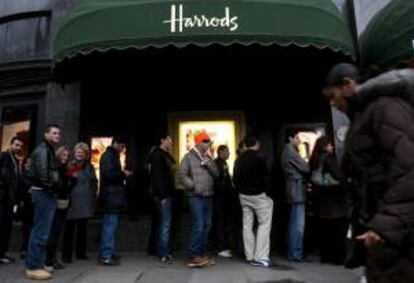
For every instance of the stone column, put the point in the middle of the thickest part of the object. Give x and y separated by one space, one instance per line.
63 103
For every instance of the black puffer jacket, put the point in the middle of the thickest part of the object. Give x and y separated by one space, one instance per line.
43 172
380 160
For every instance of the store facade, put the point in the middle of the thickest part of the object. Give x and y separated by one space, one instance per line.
141 68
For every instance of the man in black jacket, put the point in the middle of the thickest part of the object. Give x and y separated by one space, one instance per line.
9 185
251 179
44 178
112 198
223 204
162 185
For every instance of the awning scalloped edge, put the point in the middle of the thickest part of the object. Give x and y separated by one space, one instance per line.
199 44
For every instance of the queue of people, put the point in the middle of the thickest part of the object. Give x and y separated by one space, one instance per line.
371 186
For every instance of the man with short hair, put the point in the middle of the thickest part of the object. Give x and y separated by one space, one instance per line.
163 186
251 179
44 177
113 199
10 177
295 169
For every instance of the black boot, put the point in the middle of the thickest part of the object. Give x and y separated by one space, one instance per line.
57 265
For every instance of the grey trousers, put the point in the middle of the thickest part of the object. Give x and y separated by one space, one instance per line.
257 247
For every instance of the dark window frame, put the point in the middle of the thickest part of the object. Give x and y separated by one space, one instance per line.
33 15
35 101
25 15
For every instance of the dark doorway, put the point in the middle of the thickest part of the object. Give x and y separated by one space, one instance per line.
134 92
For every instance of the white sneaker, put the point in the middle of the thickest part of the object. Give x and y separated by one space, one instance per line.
262 263
49 269
225 253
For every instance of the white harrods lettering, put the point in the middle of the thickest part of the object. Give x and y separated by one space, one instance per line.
179 22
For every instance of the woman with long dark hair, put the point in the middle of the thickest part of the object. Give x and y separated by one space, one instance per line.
333 203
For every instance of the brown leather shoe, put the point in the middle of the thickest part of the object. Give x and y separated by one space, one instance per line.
211 261
38 274
197 262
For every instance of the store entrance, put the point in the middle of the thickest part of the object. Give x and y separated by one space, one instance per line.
261 90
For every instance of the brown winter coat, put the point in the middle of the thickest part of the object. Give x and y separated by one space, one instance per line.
380 152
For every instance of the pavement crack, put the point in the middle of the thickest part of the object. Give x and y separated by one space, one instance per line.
139 277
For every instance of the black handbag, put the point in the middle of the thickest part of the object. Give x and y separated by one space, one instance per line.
323 179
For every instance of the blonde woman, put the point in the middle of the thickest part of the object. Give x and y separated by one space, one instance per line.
82 203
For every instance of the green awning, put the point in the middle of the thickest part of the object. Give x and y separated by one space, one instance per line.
389 38
102 25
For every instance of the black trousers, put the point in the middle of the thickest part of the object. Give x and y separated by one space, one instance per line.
333 240
6 226
222 216
72 226
27 222
53 241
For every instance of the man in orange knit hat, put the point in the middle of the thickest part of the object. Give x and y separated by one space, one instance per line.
197 173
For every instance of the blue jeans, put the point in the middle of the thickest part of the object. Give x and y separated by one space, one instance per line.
201 210
44 212
109 225
164 226
296 231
